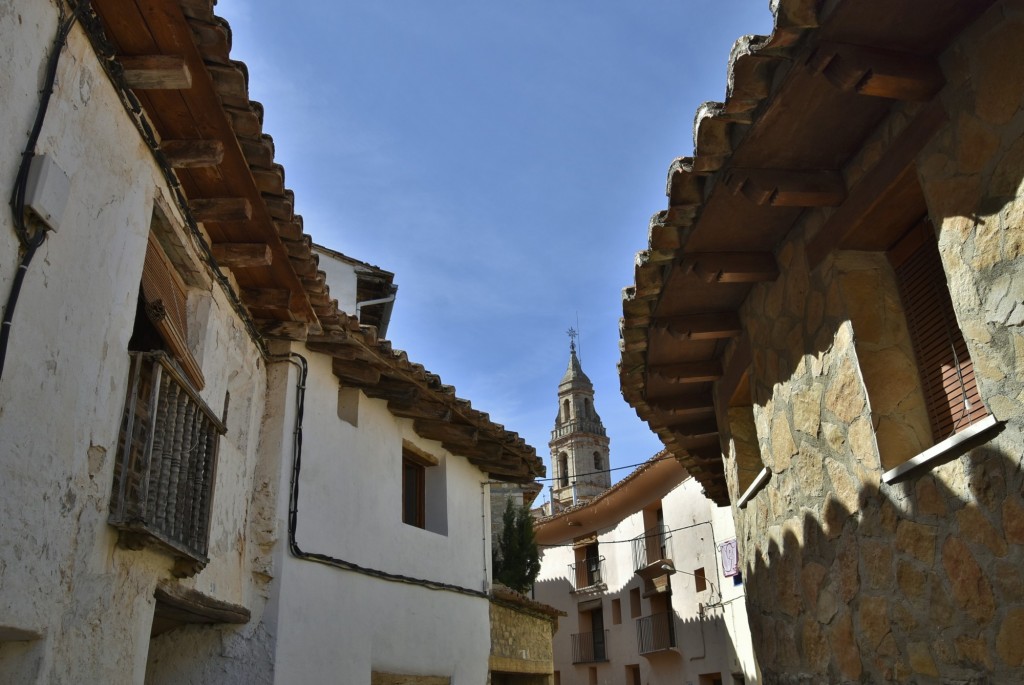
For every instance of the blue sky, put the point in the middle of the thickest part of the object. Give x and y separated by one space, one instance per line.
502 159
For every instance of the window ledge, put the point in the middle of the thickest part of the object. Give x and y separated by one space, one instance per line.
759 482
940 450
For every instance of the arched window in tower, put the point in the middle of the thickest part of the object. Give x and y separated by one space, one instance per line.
586 408
597 461
565 410
563 470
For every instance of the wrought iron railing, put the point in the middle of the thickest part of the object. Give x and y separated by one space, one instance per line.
166 461
655 633
592 426
650 547
588 572
589 647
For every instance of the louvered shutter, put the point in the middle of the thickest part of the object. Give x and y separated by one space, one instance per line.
944 364
167 307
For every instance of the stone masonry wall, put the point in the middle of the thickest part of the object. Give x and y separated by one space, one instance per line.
521 642
849 579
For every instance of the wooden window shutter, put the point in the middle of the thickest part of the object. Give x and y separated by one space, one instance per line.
166 300
947 374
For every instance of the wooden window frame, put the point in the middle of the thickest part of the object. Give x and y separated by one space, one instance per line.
414 491
920 278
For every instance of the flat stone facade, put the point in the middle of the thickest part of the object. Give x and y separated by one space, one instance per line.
851 579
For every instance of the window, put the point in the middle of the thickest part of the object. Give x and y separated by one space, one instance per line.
633 674
424 495
699 580
616 611
563 469
565 410
169 438
413 493
946 372
597 461
634 603
923 397
589 566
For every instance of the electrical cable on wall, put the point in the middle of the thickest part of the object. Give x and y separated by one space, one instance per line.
302 365
31 242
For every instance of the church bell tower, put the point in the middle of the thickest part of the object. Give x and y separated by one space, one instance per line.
579 446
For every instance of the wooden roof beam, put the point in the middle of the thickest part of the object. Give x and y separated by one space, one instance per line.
217 209
693 427
446 432
190 154
355 373
688 372
272 298
420 410
701 326
879 73
156 72
242 255
788 187
684 405
731 267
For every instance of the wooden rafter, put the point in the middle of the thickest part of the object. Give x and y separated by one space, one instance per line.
190 154
880 73
701 326
156 72
731 267
242 255
788 187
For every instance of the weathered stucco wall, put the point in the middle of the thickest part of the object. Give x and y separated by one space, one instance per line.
331 623
78 608
850 579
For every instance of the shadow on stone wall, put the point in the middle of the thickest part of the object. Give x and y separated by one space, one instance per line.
921 580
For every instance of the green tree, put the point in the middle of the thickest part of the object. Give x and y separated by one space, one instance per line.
516 561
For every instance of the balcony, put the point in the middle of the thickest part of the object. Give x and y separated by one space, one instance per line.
592 426
587 574
166 464
655 633
651 559
589 647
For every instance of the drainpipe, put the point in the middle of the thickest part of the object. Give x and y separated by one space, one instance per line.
386 318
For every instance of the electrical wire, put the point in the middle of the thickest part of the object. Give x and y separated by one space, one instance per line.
302 365
594 473
639 537
31 242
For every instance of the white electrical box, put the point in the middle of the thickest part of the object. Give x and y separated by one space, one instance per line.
47 190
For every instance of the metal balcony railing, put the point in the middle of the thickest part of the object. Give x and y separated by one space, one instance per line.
650 547
166 461
586 573
589 647
592 426
655 633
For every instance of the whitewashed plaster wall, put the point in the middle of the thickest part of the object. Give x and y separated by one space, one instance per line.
342 278
333 624
76 607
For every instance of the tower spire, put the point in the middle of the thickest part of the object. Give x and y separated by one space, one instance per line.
579 446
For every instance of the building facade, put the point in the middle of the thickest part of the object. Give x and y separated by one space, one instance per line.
214 468
826 330
647 575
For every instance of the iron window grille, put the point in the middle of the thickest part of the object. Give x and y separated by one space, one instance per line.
655 633
652 543
589 647
588 572
166 463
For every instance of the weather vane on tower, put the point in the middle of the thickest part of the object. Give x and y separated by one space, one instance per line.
572 338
